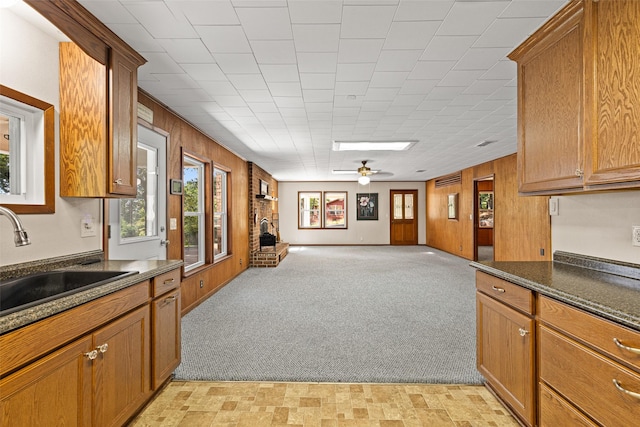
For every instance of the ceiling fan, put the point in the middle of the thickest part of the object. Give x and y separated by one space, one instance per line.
363 172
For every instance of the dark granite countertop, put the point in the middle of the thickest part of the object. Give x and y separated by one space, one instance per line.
607 288
145 269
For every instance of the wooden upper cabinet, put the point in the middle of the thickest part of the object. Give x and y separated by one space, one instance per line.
98 136
579 99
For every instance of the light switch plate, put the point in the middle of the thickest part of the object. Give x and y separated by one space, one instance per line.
173 223
554 206
635 235
87 226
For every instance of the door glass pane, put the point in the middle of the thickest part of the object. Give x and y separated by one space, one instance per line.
408 206
397 206
138 217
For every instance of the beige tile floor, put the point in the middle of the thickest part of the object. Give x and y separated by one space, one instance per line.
257 404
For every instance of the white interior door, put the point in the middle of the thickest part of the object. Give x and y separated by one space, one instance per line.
138 226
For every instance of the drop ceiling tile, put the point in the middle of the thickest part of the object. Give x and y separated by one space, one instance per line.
408 100
110 12
317 95
470 18
410 35
417 87
255 95
218 87
388 78
160 63
263 107
237 63
460 77
362 22
507 93
447 48
289 101
137 37
285 89
160 22
247 81
315 12
486 87
359 50
219 12
317 62
224 38
397 60
204 71
422 10
317 80
175 81
229 100
237 112
351 88
189 51
502 70
482 58
274 51
316 37
508 33
319 106
446 93
265 23
280 73
381 94
532 8
431 70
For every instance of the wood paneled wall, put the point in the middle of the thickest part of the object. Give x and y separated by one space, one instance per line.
183 136
522 224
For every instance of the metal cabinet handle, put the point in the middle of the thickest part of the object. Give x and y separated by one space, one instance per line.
523 332
118 181
497 289
91 355
579 172
168 300
624 347
169 281
103 348
625 391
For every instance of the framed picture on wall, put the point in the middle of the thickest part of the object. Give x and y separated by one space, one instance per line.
452 206
264 188
367 206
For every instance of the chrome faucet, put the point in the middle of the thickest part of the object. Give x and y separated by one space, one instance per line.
21 238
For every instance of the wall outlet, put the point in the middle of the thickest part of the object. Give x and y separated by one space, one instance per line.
88 226
635 235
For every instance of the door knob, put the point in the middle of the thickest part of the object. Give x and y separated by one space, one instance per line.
164 242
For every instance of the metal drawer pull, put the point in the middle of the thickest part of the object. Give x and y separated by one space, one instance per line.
168 300
168 281
624 347
91 355
497 289
523 332
625 391
103 348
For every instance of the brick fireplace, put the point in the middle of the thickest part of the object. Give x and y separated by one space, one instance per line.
263 211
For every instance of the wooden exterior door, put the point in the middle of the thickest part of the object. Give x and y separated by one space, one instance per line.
404 222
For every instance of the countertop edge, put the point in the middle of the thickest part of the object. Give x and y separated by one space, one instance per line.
606 312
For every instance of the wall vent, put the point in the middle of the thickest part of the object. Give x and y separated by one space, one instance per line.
444 181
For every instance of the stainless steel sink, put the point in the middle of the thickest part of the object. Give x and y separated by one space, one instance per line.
24 292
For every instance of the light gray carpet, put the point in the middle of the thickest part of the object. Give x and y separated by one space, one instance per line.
339 314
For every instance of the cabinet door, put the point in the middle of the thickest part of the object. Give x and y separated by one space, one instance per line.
550 111
57 387
123 92
613 143
121 370
505 354
165 342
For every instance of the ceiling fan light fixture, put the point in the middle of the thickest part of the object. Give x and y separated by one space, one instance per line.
364 180
372 145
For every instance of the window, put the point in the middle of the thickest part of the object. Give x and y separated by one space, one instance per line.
309 212
220 216
194 212
322 210
335 210
138 219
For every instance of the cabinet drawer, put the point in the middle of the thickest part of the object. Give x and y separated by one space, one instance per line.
555 411
587 379
165 282
509 293
594 331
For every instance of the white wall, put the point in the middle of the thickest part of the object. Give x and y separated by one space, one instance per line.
598 224
29 64
358 232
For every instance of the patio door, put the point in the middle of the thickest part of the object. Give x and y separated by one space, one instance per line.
137 226
404 218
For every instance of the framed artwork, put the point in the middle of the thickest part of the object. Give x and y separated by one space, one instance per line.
367 206
452 206
264 188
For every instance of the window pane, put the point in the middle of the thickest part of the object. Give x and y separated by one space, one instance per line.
335 210
220 213
193 202
309 204
138 217
408 206
397 206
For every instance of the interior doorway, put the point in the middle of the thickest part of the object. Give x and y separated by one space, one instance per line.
404 217
483 224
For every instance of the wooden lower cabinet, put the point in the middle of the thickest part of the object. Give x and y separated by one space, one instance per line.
505 355
57 387
166 339
556 411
